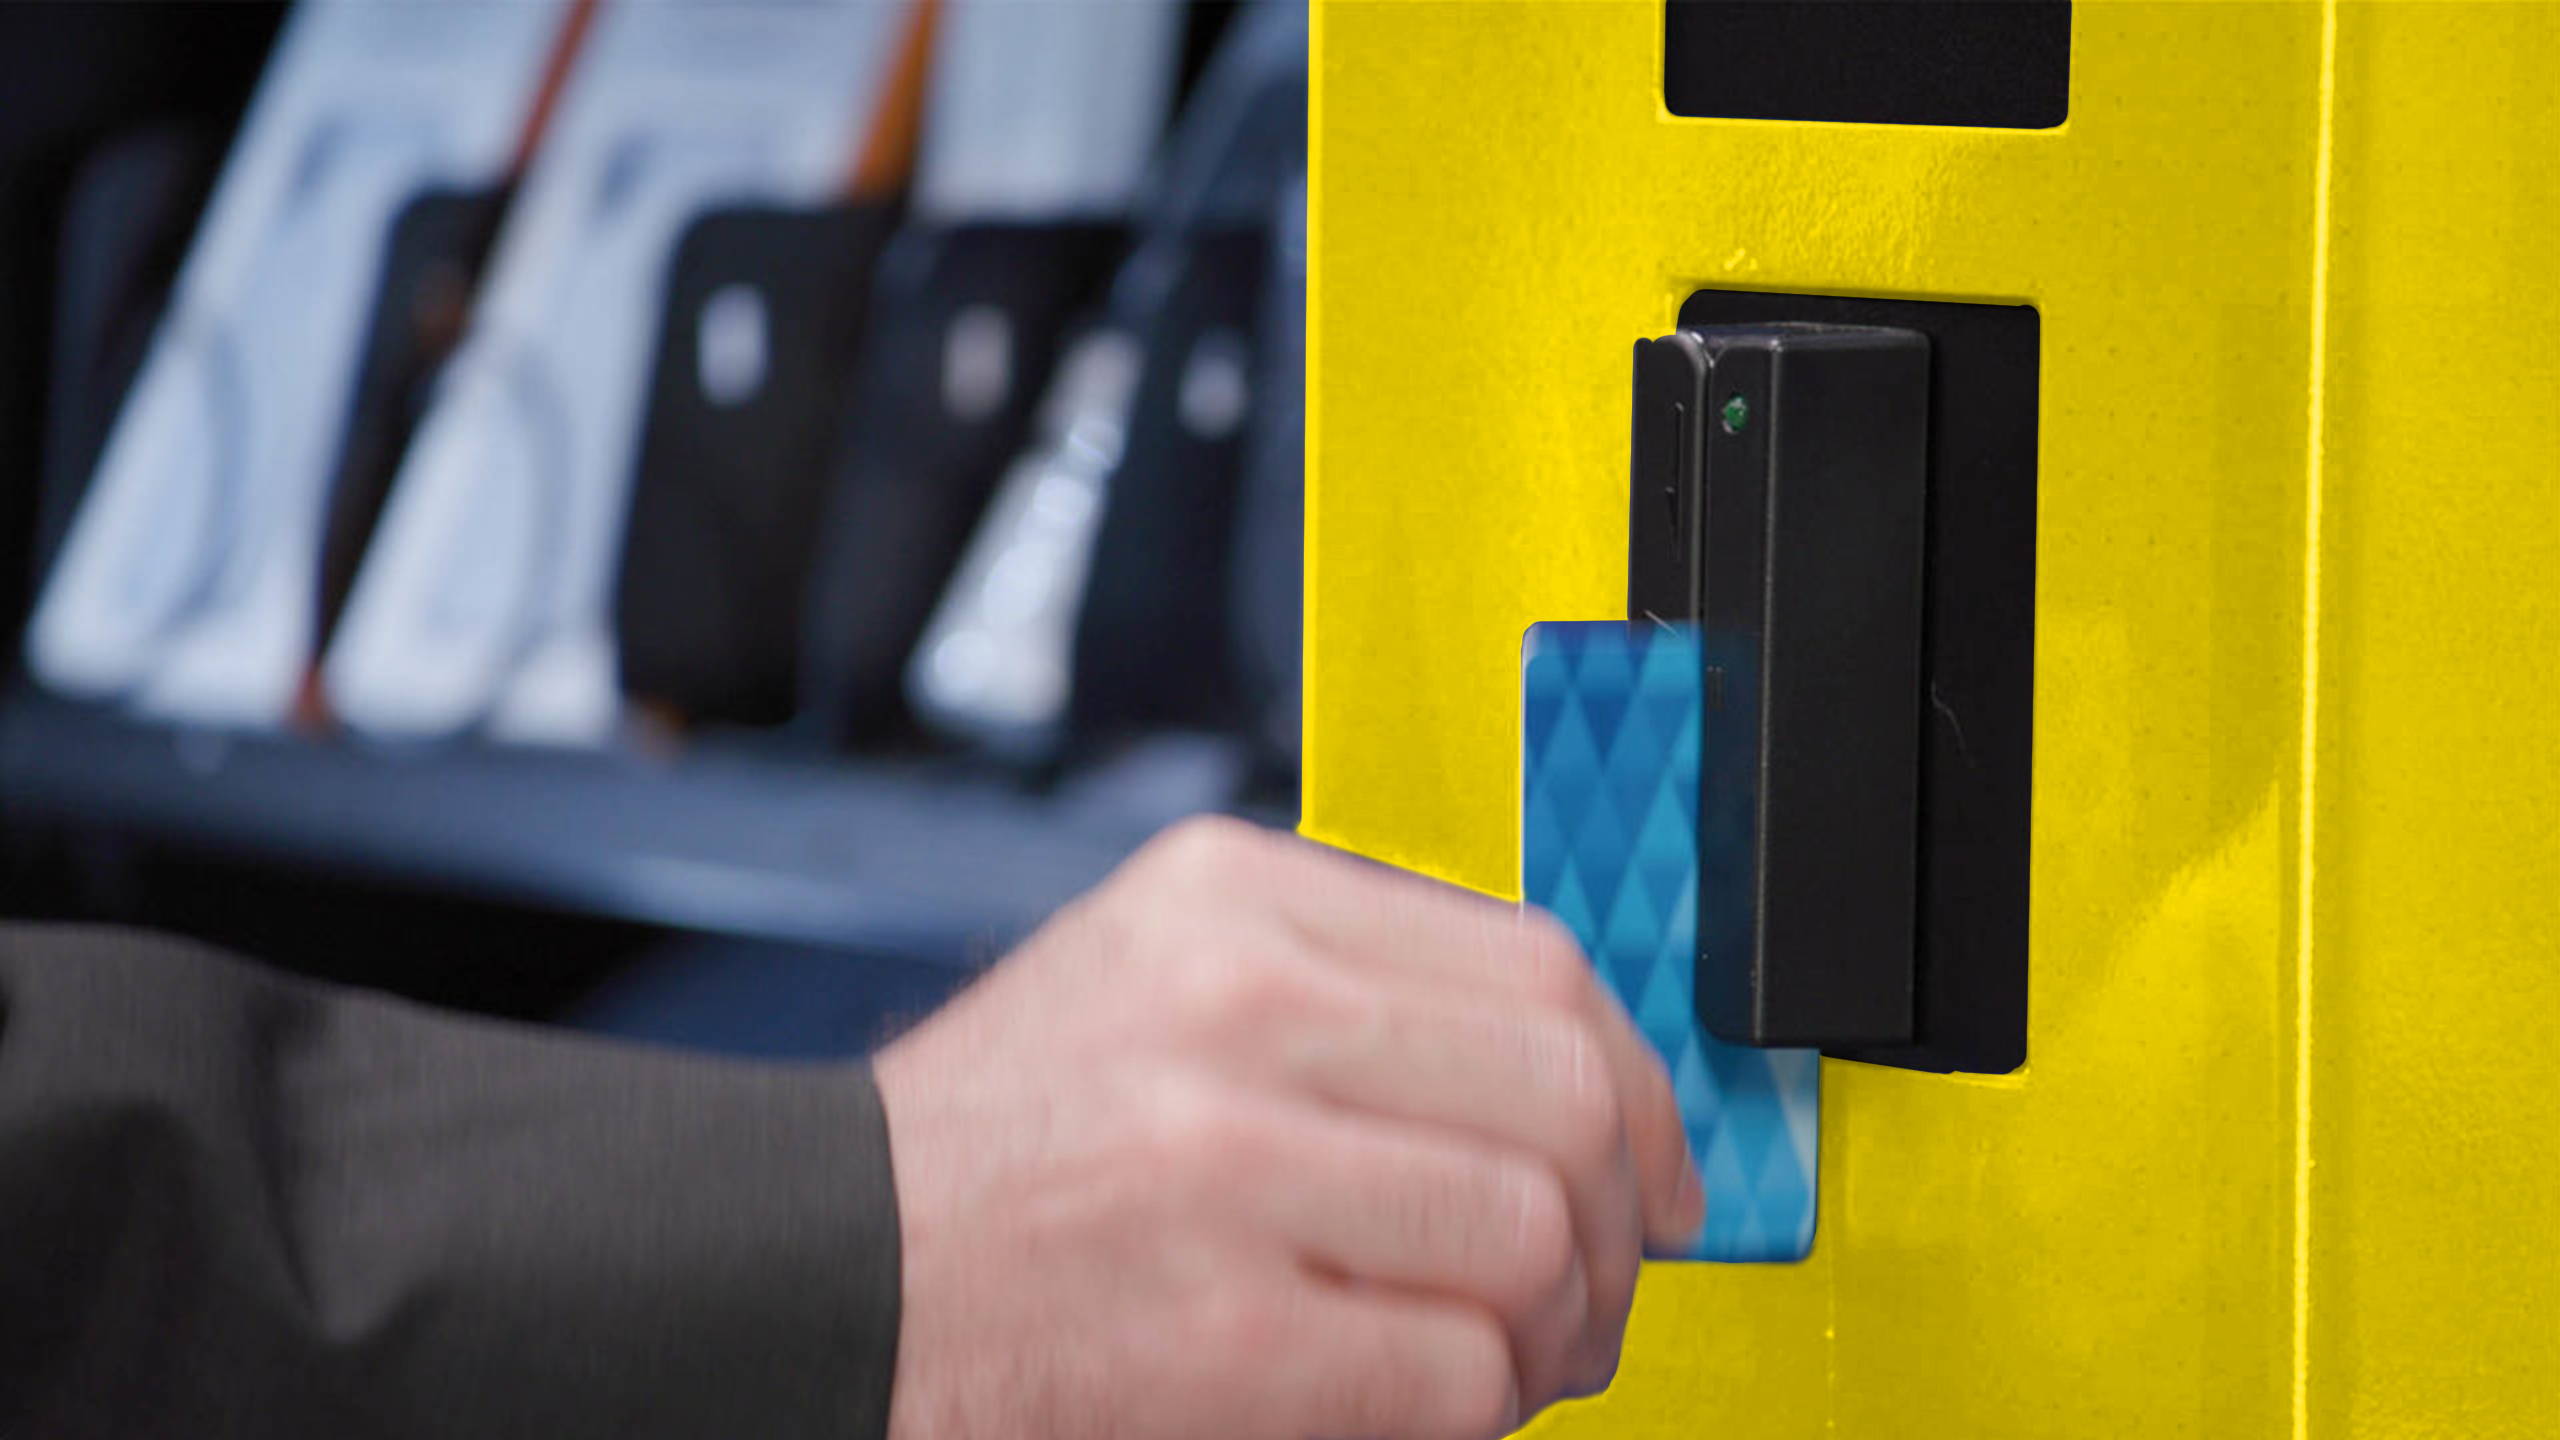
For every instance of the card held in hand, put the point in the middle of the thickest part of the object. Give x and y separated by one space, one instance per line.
1610 734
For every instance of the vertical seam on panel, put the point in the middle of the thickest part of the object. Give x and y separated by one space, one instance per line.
2315 458
1310 403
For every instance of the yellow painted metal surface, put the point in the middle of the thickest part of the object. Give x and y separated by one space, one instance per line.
2435 1279
2298 627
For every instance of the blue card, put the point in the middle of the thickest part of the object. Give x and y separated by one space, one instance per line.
1609 843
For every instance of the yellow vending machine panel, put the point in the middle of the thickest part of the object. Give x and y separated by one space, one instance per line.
2280 1159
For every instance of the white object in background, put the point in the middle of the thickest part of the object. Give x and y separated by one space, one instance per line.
1040 112
192 567
996 661
1045 110
497 510
488 591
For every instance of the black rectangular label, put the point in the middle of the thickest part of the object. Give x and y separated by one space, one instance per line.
2000 63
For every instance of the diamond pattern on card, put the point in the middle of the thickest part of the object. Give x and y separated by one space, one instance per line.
1609 843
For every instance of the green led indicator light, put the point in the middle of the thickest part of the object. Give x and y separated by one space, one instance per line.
1737 413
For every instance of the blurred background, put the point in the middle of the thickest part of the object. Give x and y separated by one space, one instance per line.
694 519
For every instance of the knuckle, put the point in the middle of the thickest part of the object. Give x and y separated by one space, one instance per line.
1212 1149
1360 1017
1228 988
1239 1322
1593 1358
1551 960
1598 1371
1613 1282
1613 1293
1451 1376
1316 1025
1190 1131
1478 1389
1277 984
1540 1243
1216 852
1205 984
1237 1155
1586 1093
1411 1210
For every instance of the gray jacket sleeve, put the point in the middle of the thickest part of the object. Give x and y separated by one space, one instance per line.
236 1205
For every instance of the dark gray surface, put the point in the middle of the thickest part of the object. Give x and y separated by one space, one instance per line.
931 860
233 1205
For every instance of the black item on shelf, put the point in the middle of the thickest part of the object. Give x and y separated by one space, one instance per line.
431 268
936 861
763 316
1152 634
1160 588
964 332
131 210
81 79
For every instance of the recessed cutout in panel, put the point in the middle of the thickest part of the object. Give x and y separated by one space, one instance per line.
1998 63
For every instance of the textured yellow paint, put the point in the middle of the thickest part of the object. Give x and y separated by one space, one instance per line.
2435 1300
2105 1243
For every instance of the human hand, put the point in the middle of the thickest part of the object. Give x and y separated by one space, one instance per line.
1258 1139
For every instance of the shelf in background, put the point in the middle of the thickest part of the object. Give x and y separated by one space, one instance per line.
928 859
